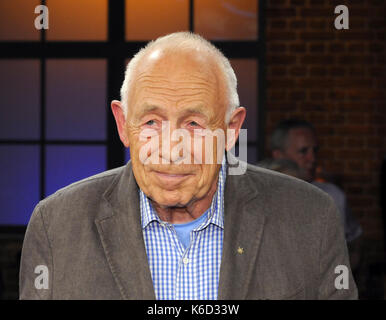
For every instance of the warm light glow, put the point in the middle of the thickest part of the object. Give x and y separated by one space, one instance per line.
226 19
74 20
17 20
149 19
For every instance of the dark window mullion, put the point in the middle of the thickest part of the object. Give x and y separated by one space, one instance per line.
191 15
115 65
60 142
21 50
42 190
261 79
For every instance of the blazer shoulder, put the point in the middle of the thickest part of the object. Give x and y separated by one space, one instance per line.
291 205
281 187
271 177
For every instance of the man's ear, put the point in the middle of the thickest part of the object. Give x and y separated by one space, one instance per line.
117 108
235 123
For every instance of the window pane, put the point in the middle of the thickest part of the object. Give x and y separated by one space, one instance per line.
19 99
149 19
246 73
67 164
226 19
19 183
74 20
76 99
17 20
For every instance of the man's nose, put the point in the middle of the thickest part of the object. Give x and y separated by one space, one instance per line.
311 156
170 138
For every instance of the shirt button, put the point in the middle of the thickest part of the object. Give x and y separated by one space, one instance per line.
185 261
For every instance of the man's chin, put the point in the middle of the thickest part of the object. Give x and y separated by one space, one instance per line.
171 202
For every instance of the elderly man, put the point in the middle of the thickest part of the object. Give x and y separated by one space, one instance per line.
169 225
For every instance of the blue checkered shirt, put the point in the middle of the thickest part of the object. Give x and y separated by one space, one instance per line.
191 273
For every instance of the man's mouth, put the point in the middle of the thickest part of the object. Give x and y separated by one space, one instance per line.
172 177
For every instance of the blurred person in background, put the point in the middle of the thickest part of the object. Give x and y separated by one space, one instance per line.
296 140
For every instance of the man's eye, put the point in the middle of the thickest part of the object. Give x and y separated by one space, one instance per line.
150 122
303 151
193 123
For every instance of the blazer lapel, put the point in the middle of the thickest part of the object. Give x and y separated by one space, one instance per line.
120 231
243 229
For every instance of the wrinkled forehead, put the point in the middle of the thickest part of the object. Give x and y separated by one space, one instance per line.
179 65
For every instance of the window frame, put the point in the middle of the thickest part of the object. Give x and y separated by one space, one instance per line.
116 49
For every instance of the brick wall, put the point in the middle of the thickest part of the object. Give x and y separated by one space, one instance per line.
335 79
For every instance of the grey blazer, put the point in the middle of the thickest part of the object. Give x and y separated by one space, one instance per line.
90 238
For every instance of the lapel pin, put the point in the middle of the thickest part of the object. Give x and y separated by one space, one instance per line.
240 250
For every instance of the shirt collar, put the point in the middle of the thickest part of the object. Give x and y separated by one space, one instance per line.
216 210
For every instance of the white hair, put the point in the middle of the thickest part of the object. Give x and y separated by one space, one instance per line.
185 41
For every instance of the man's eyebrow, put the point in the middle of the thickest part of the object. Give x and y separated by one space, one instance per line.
148 108
200 110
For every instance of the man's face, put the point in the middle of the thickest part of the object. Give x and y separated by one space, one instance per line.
301 147
186 91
